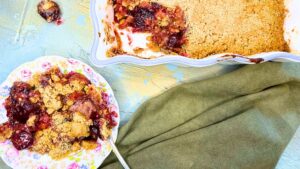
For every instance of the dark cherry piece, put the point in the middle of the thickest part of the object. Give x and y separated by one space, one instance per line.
21 112
155 6
141 15
49 10
95 116
22 137
18 104
20 90
94 132
175 40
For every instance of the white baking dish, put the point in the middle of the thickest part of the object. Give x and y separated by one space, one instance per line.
100 11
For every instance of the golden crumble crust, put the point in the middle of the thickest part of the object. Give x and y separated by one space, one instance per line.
67 131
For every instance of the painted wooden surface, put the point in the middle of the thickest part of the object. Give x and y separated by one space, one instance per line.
24 36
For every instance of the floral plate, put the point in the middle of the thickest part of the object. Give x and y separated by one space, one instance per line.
83 159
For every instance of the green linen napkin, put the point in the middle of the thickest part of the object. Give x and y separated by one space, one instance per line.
243 119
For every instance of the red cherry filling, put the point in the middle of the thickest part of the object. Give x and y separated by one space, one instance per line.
110 119
142 18
19 108
27 113
175 40
44 121
22 138
167 25
18 104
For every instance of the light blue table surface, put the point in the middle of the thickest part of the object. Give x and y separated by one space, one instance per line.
24 36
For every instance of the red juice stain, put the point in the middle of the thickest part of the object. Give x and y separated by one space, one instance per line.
59 21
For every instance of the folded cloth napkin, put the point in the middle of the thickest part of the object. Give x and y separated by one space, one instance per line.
243 119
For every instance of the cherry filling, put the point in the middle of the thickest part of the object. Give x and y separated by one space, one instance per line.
110 119
167 26
175 40
18 104
27 114
22 137
94 132
95 129
142 18
19 109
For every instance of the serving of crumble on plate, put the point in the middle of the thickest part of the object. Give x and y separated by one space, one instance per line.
53 110
194 33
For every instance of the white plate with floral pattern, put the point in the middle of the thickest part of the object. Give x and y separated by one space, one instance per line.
83 159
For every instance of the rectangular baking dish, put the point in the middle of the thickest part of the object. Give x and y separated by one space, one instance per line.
101 10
